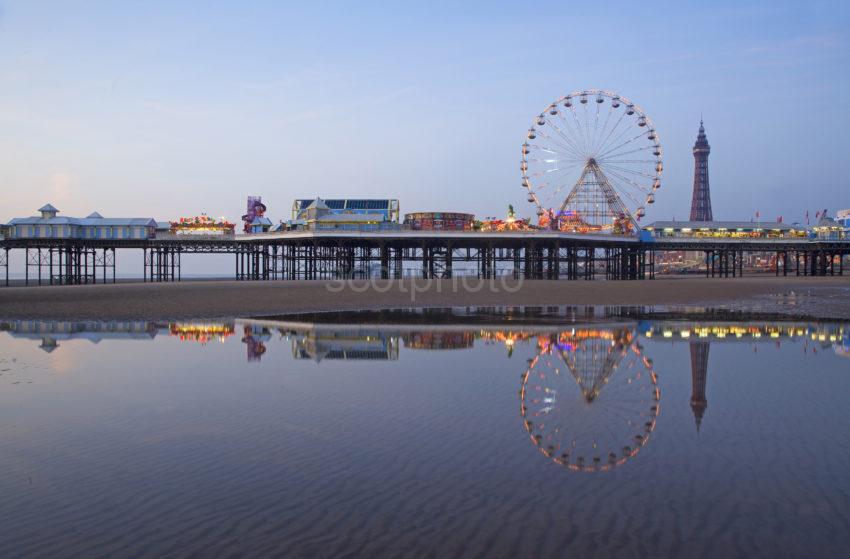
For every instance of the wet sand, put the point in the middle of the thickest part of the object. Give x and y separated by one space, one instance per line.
827 298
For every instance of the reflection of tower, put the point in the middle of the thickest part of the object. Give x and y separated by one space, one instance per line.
701 201
699 374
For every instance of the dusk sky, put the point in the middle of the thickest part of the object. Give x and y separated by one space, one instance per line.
161 109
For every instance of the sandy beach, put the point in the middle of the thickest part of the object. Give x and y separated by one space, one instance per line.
827 298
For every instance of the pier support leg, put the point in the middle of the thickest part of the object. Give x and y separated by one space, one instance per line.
4 261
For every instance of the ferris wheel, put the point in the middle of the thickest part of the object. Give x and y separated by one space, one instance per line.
590 399
592 163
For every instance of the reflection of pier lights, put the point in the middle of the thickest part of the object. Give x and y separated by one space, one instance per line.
201 332
699 375
438 340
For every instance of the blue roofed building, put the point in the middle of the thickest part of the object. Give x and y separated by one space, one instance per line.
261 225
321 215
843 217
386 208
48 225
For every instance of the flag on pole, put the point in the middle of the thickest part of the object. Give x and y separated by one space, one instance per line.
807 217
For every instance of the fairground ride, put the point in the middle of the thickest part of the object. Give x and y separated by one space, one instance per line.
202 225
592 163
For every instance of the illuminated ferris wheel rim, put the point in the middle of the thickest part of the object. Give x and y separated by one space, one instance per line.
583 151
614 460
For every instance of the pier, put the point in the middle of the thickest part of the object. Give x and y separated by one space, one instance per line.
294 255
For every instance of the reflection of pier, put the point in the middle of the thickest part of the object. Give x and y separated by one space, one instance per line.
425 339
50 333
349 343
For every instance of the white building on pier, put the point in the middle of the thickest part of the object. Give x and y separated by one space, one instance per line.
49 226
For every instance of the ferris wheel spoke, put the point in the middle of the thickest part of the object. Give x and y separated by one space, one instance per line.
595 126
605 140
557 191
578 132
627 142
579 129
558 143
614 140
554 152
623 414
547 182
556 160
552 155
566 168
627 152
561 125
604 126
567 139
623 403
627 170
551 174
627 191
610 161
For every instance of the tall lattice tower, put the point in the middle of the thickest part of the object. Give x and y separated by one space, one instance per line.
701 201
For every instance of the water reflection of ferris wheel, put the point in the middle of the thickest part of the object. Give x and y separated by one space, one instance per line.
590 398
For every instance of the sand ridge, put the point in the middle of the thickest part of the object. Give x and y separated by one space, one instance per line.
201 299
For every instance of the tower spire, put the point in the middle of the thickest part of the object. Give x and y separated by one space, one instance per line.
701 200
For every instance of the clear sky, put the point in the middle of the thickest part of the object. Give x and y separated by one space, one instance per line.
160 109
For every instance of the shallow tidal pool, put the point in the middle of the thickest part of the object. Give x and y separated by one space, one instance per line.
588 432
